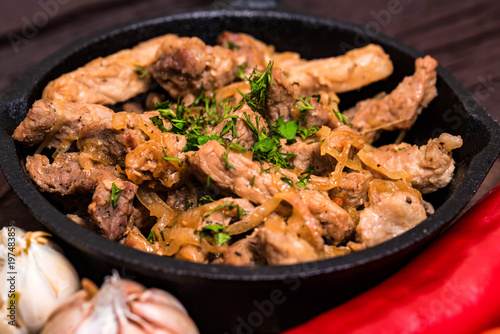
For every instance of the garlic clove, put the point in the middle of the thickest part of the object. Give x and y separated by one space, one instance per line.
156 314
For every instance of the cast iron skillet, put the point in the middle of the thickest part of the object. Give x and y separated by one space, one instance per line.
263 299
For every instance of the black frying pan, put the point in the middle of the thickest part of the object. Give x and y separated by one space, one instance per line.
263 299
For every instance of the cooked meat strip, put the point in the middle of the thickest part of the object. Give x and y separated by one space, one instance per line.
65 176
389 215
399 109
209 161
109 80
244 135
428 167
308 153
282 103
244 252
193 66
355 69
109 142
110 220
146 161
282 248
247 50
62 119
177 198
353 189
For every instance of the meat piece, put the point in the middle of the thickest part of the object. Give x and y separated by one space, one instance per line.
353 189
108 143
192 66
244 135
428 167
247 50
308 154
355 69
244 252
111 79
283 103
111 220
210 161
399 109
146 161
389 215
177 198
65 176
60 120
284 248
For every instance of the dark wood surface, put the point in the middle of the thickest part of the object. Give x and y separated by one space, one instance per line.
464 36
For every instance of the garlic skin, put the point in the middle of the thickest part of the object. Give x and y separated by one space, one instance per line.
120 307
44 278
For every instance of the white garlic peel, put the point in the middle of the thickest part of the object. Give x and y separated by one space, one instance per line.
44 278
120 307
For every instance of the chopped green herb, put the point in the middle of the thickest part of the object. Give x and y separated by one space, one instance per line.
216 231
259 84
179 162
241 71
232 45
287 130
287 181
141 71
342 117
306 133
227 205
304 177
159 123
115 195
252 182
152 237
206 199
401 148
317 97
208 180
189 205
225 156
295 83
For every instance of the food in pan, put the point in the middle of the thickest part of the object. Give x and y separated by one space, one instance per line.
235 153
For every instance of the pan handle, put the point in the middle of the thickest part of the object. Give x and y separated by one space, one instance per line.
245 4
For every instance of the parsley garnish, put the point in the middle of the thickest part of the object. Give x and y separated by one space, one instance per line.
216 231
179 161
241 71
287 181
232 45
159 123
115 195
306 133
341 117
152 237
227 205
252 182
206 199
304 104
304 177
141 71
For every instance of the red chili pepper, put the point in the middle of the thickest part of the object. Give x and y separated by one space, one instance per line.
453 286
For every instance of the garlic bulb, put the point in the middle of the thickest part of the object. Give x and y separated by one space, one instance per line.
35 278
120 307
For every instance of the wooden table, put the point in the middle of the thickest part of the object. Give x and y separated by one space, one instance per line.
464 36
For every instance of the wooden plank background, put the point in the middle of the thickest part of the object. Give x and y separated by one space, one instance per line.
464 36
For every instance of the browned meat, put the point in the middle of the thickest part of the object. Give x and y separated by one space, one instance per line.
62 120
65 175
389 215
353 189
146 161
355 69
112 221
193 66
282 248
177 198
399 109
244 252
111 79
247 50
108 145
209 161
428 167
244 135
308 153
282 103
